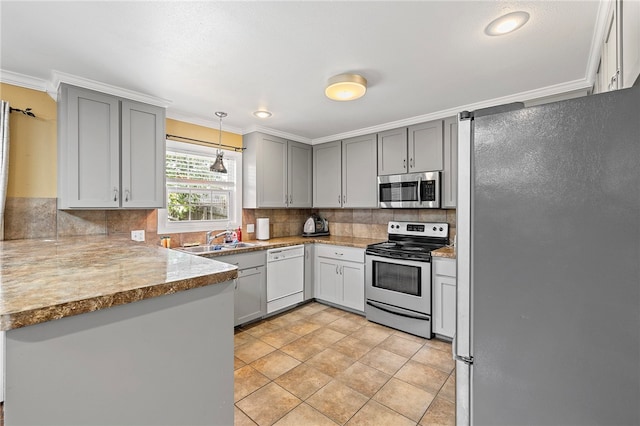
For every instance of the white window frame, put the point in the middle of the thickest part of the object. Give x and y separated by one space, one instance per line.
235 211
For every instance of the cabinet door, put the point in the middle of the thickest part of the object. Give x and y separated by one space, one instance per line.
392 152
359 185
299 174
309 260
327 280
89 167
249 298
425 147
450 172
352 285
444 305
327 178
143 156
272 172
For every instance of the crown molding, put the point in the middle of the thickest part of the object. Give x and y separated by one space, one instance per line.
28 82
58 77
572 86
201 121
274 132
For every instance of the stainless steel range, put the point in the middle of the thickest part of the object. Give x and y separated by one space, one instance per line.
398 276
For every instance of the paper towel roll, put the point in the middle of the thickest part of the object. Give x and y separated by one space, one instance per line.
262 228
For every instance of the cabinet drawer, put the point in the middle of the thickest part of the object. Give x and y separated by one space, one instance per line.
446 267
244 260
349 254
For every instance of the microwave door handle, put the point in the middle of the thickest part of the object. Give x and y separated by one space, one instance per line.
419 186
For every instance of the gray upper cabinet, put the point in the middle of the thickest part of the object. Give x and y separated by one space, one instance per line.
359 186
344 173
110 151
450 171
417 148
327 175
276 173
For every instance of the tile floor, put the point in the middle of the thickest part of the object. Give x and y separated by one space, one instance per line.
318 365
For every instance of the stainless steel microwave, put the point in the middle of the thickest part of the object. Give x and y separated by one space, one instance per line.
409 191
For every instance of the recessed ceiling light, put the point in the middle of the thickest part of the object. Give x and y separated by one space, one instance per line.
507 23
262 113
346 87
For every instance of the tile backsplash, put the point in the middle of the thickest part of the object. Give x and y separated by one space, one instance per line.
27 218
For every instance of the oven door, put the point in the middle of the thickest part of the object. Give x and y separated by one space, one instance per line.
398 282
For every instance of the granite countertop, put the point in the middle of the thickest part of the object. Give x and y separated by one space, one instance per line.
43 280
446 252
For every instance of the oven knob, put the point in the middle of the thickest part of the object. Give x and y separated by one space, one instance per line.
434 228
441 229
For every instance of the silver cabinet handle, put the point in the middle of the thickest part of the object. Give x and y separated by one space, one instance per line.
411 163
404 163
342 270
339 198
344 199
126 195
337 267
337 253
291 199
115 194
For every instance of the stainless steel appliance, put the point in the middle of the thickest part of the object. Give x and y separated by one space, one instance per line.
409 190
315 226
398 276
548 255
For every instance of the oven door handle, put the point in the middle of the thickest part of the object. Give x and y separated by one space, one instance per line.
402 313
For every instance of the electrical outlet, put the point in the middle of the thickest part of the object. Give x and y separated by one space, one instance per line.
137 235
251 227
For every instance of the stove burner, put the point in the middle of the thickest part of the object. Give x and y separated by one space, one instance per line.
387 245
414 249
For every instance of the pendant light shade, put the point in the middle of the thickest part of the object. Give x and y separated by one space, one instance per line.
218 165
346 87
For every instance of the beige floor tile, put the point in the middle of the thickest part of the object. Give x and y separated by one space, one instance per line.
400 346
411 337
275 364
436 358
404 398
440 413
327 336
372 334
345 325
241 419
247 380
423 376
336 311
303 327
337 401
448 391
268 404
350 346
251 351
383 360
330 362
242 338
374 413
323 317
364 379
311 308
238 363
303 348
305 415
279 338
285 319
260 329
303 381
439 344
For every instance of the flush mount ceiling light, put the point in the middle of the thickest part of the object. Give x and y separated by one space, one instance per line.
218 165
262 113
507 23
346 87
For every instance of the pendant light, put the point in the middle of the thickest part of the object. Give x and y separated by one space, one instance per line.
217 165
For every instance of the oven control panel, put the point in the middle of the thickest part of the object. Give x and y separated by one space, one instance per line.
419 229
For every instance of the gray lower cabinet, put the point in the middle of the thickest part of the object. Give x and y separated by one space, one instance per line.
276 172
444 297
309 260
250 295
339 276
344 173
111 151
450 170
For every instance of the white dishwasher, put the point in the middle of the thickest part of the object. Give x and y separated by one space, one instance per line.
285 277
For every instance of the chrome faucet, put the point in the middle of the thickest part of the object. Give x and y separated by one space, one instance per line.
210 237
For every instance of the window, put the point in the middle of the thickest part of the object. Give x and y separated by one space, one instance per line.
197 198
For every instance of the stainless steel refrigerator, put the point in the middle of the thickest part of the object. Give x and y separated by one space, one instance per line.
548 296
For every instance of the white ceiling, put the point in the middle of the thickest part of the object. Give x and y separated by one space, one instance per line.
423 59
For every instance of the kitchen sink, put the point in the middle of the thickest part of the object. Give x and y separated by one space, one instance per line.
217 247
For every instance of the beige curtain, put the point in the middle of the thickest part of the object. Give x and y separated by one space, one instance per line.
4 161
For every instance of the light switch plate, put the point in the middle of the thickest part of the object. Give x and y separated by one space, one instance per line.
137 235
251 227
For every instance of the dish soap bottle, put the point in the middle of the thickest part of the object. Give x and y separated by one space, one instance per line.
228 236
